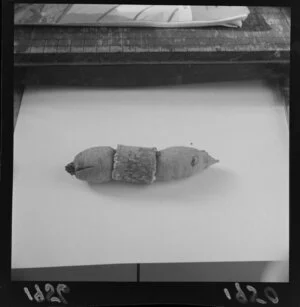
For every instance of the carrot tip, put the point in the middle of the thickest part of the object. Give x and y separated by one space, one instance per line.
70 168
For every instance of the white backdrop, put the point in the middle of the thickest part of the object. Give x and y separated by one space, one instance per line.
237 210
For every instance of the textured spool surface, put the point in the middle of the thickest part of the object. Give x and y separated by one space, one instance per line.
134 164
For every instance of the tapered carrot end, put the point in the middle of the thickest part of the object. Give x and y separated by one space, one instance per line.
210 160
70 168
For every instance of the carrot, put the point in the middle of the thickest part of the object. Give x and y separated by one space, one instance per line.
181 162
93 165
138 164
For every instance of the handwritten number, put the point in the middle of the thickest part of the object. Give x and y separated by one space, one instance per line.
254 298
50 291
28 293
227 293
240 296
273 299
39 296
259 300
62 288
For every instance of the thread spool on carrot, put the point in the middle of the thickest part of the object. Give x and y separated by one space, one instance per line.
135 164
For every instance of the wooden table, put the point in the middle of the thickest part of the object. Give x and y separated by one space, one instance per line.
45 44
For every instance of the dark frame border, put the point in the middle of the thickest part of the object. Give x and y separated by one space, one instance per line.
104 294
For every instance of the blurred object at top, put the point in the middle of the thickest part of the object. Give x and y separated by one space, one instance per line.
131 15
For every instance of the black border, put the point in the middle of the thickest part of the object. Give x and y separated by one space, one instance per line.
6 146
104 294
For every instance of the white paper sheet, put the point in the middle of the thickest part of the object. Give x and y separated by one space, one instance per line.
237 210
